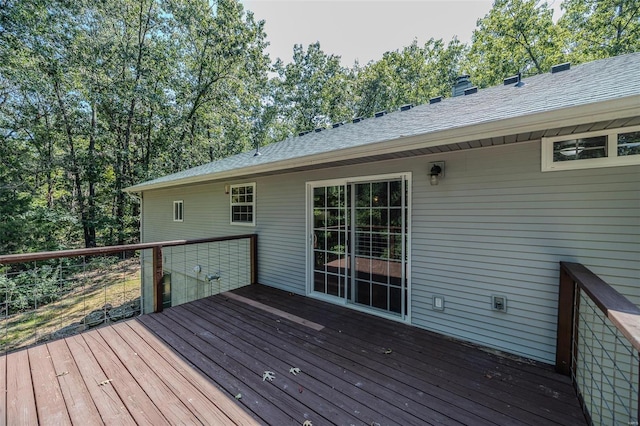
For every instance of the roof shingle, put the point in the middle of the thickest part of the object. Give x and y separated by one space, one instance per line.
592 82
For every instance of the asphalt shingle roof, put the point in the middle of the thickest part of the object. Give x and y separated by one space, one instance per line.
592 82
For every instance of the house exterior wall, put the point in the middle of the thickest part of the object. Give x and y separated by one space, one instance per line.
496 225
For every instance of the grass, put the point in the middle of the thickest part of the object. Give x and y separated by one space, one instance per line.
111 285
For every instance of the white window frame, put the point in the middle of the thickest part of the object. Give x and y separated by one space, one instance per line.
178 211
252 204
611 160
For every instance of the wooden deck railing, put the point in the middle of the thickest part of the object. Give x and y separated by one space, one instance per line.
598 345
156 247
48 295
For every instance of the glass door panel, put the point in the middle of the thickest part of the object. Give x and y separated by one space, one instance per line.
379 238
330 233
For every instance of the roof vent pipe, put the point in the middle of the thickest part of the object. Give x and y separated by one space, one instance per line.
462 83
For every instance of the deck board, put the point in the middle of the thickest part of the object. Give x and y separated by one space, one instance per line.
205 361
188 364
313 377
138 403
313 392
493 384
426 402
78 401
199 382
48 395
197 403
21 403
107 401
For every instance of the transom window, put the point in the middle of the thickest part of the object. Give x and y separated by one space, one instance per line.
605 148
243 204
178 211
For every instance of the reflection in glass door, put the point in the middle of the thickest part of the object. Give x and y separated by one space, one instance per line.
330 232
379 237
359 246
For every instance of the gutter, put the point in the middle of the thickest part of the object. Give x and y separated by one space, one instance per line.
570 116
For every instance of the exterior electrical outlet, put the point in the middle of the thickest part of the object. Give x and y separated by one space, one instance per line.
499 303
438 303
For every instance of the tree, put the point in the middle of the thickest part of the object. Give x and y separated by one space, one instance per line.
515 36
312 91
96 96
412 75
601 28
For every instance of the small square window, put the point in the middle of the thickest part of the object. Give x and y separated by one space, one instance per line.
242 204
629 143
178 211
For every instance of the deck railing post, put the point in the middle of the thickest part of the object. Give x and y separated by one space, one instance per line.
254 258
157 279
566 298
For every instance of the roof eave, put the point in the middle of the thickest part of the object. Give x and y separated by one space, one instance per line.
576 115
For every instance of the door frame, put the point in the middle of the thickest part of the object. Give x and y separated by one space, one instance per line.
407 178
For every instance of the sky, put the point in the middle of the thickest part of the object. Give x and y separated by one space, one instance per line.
364 29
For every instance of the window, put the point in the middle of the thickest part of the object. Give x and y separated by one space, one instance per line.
178 211
243 203
605 148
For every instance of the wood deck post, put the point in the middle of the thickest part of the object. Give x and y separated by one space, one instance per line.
157 279
253 243
566 297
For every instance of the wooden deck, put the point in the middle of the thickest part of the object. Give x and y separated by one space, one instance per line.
203 363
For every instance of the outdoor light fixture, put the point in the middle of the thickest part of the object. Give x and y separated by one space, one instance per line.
436 172
226 189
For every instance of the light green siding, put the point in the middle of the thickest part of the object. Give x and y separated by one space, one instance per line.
494 225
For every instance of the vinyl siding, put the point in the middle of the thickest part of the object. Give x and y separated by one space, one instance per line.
497 225
494 225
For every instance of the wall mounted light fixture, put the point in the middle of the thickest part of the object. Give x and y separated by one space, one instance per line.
436 172
226 189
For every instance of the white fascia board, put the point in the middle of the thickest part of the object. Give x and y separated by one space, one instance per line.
570 116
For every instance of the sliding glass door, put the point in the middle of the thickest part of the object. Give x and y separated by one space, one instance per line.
359 242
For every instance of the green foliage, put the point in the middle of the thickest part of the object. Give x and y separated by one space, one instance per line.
601 28
29 289
410 76
97 96
312 91
515 36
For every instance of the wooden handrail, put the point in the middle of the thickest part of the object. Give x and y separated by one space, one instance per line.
617 308
46 255
156 257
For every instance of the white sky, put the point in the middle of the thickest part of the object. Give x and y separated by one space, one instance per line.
365 29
